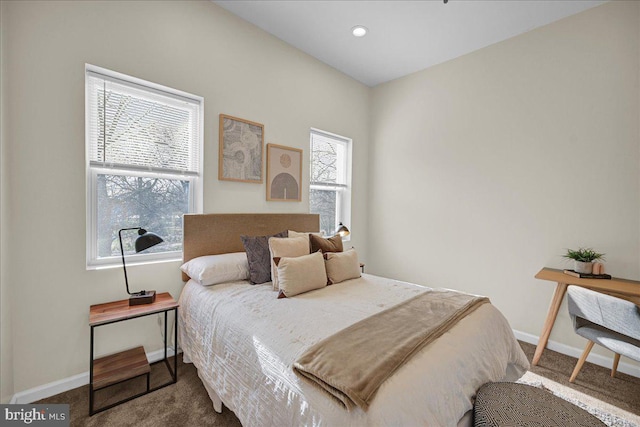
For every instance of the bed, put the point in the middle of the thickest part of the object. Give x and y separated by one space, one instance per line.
244 341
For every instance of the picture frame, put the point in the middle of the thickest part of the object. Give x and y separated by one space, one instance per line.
284 173
240 152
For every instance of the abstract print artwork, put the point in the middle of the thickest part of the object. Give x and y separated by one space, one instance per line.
284 173
240 156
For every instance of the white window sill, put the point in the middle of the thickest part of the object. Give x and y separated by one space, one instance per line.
132 263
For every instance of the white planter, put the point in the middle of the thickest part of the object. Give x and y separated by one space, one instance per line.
583 267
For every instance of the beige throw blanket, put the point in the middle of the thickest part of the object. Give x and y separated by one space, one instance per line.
353 363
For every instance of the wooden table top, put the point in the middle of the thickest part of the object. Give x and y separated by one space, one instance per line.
114 311
624 288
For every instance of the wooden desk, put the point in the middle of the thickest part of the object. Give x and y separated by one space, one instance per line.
622 288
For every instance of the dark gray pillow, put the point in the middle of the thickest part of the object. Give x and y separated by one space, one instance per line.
259 257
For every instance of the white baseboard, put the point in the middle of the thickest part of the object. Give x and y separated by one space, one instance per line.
594 358
66 384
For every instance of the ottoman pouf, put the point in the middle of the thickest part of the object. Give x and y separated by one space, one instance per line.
513 404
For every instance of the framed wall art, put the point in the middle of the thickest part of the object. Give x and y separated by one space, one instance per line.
284 173
240 155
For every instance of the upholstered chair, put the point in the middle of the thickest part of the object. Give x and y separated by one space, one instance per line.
611 322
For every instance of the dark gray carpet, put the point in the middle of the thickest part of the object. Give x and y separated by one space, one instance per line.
187 403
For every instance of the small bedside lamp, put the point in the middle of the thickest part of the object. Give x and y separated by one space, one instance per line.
342 231
144 241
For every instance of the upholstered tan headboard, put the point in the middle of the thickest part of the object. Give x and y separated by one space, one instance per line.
213 234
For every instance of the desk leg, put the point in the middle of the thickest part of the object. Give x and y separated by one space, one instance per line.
561 289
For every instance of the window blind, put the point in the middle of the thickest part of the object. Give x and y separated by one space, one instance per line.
328 160
147 129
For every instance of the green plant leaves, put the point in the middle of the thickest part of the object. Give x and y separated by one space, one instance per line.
583 255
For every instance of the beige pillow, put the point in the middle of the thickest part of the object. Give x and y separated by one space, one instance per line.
305 235
285 247
342 266
301 274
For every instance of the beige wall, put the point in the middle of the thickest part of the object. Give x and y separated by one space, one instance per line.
195 47
6 347
482 169
491 165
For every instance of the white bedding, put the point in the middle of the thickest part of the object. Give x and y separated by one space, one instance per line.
243 341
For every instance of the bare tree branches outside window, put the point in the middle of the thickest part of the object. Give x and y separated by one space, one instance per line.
156 204
323 202
324 159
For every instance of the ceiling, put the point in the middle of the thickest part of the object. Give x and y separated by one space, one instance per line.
404 36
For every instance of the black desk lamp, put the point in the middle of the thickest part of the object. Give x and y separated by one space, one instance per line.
144 241
342 231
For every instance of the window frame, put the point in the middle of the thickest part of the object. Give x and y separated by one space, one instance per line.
94 168
343 190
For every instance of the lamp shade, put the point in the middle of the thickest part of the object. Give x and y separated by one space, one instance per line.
342 230
146 239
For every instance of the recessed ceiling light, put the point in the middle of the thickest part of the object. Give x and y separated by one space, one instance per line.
359 31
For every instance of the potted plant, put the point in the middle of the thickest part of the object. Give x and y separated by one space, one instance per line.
583 259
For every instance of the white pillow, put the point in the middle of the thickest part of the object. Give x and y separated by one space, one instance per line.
301 274
286 247
214 269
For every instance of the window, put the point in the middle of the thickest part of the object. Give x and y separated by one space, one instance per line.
143 154
330 184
